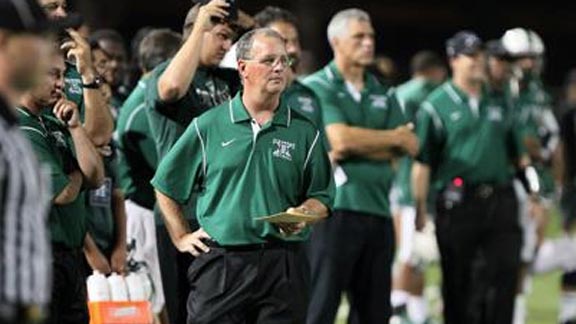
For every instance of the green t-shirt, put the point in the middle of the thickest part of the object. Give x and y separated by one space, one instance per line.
244 172
376 107
210 87
411 95
137 158
168 121
101 220
476 141
53 146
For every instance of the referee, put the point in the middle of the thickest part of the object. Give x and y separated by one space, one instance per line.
24 248
468 148
251 156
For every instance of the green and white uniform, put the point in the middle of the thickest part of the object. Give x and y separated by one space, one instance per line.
244 171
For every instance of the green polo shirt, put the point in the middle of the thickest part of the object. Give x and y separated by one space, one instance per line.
459 139
531 104
53 146
137 158
101 221
209 88
368 181
411 95
298 96
244 172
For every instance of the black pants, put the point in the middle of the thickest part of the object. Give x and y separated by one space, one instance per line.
173 267
249 285
479 240
351 252
69 298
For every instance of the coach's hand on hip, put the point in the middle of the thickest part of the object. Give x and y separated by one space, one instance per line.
192 243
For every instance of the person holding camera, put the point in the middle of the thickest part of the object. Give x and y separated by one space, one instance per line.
177 91
61 143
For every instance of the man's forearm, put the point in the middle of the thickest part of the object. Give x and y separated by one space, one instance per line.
348 141
420 183
173 217
176 79
89 159
98 119
119 216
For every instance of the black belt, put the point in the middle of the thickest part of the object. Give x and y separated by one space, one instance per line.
485 190
270 245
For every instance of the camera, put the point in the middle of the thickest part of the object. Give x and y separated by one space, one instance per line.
232 10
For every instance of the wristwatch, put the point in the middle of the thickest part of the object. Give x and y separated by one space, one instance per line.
95 84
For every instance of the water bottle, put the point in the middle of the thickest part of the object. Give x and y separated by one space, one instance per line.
135 287
118 289
97 286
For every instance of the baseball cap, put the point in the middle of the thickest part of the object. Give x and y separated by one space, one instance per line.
28 16
496 48
464 42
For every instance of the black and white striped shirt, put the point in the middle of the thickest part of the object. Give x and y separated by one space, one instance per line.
25 269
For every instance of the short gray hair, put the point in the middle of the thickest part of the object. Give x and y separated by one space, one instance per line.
244 45
339 22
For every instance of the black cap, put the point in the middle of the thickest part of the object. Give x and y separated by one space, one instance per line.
496 48
464 42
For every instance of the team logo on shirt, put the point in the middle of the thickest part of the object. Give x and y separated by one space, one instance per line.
60 138
306 104
379 101
74 85
283 149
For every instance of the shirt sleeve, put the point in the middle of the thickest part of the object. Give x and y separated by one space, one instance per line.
318 177
396 115
153 96
429 130
46 156
331 111
184 165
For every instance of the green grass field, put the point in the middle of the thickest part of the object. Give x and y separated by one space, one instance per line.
542 302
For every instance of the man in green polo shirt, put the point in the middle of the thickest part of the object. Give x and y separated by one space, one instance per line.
428 71
178 91
469 151
138 160
353 250
249 157
63 145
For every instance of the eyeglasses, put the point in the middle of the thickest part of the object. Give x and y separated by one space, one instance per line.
273 61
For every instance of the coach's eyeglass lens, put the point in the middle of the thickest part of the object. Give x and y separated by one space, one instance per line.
272 61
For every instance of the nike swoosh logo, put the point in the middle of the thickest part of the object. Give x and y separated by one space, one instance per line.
224 144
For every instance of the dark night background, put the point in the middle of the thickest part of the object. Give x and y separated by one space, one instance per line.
402 27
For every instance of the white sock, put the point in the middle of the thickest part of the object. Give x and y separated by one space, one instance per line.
547 258
567 309
399 297
417 309
520 309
